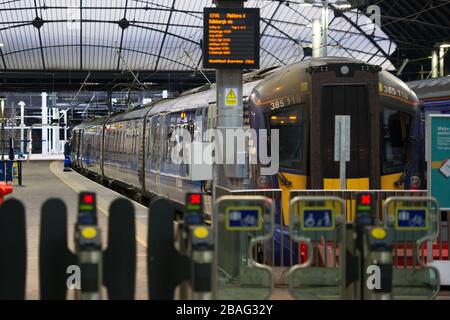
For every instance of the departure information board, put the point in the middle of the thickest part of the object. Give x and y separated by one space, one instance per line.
231 38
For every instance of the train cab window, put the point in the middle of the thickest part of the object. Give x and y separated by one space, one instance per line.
290 124
395 130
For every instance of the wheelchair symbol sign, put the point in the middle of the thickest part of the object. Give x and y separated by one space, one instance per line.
317 219
411 219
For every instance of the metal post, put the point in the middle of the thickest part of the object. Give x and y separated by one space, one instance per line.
317 41
227 116
3 130
229 82
19 169
22 125
342 146
325 28
64 113
55 131
442 61
30 143
44 113
434 64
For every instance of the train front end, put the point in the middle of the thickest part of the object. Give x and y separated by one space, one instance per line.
302 102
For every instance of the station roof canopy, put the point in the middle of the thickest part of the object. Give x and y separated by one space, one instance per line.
158 37
163 34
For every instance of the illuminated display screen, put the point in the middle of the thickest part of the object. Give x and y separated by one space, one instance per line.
86 209
231 38
364 201
194 202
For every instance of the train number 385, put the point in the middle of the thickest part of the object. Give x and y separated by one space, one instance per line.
277 104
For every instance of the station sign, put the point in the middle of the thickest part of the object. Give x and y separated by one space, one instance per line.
231 38
438 158
411 219
317 219
243 218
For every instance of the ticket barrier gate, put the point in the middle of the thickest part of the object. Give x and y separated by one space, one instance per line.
13 251
413 222
88 250
90 268
241 223
184 261
368 245
377 262
318 223
368 254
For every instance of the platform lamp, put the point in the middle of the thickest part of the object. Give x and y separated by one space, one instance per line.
343 5
340 4
443 49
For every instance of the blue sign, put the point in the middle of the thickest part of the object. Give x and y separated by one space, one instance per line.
317 219
410 219
243 218
6 166
438 157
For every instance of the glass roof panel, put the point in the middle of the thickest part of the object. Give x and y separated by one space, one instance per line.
165 34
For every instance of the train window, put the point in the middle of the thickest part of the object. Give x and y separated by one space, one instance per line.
396 127
290 124
149 139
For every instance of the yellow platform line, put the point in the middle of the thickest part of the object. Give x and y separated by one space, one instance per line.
105 212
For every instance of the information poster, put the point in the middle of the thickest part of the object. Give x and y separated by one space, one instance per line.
438 158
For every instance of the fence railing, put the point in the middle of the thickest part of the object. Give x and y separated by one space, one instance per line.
281 251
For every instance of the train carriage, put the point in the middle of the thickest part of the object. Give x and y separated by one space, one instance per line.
301 101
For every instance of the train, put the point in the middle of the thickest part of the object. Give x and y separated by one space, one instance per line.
131 149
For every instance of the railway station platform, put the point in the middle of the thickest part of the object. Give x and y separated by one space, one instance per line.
46 179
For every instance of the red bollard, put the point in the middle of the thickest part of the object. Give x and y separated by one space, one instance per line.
5 189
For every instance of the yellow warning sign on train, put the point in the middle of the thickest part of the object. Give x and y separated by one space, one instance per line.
231 97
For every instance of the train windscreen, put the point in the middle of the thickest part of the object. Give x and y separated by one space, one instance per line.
396 127
290 124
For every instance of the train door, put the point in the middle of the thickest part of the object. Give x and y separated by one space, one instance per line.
159 150
351 100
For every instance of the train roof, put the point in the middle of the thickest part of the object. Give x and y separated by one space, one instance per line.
134 113
203 96
91 123
431 88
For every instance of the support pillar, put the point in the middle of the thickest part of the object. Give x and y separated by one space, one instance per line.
434 64
44 112
22 125
317 38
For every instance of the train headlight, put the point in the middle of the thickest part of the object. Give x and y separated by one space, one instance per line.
414 183
345 70
263 182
